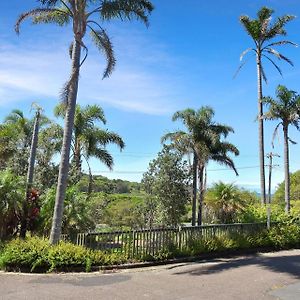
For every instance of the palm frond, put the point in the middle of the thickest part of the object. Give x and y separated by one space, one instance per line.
251 28
34 13
273 63
103 43
275 133
245 52
241 66
104 137
278 27
279 55
263 74
49 3
93 113
226 161
279 43
60 17
104 157
291 141
126 9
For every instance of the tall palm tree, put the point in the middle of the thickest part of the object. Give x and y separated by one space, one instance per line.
285 108
80 13
203 140
263 32
30 171
22 139
88 139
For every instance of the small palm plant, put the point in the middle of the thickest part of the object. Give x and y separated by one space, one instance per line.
286 109
80 14
263 33
224 200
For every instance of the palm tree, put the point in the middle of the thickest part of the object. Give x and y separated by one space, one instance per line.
203 140
285 108
79 13
88 139
22 128
263 32
30 171
50 141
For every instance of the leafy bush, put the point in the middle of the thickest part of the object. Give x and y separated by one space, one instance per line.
257 213
11 196
76 216
35 254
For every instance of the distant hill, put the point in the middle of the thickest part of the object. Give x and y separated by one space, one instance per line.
109 186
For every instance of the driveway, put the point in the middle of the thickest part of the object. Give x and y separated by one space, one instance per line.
260 276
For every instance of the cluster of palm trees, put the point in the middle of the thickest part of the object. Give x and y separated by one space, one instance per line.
80 14
203 138
263 33
285 109
43 138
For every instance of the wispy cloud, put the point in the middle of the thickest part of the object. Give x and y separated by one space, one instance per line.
134 86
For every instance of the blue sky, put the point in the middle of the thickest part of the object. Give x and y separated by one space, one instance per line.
186 58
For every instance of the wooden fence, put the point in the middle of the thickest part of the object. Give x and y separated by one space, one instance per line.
150 242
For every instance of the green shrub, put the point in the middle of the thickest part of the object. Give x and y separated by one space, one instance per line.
25 254
67 255
35 254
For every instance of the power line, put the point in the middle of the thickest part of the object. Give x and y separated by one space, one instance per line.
141 172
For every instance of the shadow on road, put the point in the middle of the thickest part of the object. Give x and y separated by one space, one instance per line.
289 264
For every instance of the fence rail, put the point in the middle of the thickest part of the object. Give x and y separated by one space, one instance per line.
150 242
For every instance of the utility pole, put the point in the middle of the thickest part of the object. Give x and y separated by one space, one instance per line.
270 156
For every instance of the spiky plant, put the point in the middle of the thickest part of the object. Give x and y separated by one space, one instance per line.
264 33
80 15
286 109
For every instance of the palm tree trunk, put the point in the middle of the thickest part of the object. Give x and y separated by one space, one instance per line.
77 156
65 153
30 173
194 202
286 170
261 131
201 194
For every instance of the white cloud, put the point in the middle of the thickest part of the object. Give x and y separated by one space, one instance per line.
30 72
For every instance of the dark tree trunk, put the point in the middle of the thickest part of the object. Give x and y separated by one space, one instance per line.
77 157
30 172
261 131
90 184
65 153
201 194
194 201
286 170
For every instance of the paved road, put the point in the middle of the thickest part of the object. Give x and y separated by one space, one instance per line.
262 276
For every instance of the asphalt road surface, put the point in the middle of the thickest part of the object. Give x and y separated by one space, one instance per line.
261 276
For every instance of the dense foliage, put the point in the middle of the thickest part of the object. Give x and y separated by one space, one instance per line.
295 189
167 182
36 255
223 202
